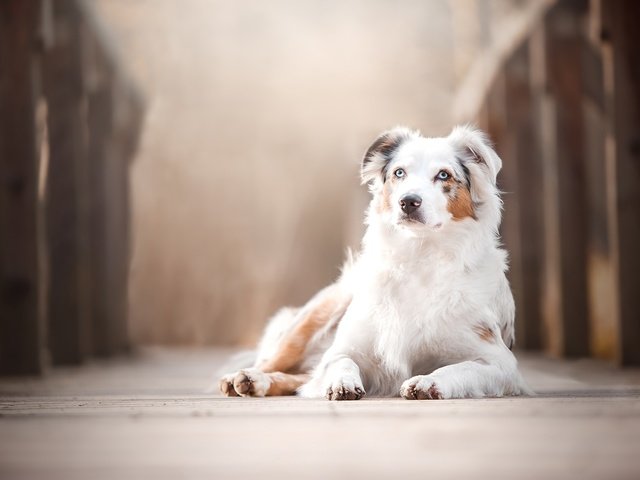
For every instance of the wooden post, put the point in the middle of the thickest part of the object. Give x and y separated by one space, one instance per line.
509 122
127 122
625 39
114 119
99 121
523 198
22 252
603 317
67 211
565 286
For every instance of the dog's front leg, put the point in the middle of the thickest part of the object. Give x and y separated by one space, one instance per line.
343 380
336 378
491 375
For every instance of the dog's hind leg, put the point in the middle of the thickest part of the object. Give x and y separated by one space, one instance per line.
326 306
277 369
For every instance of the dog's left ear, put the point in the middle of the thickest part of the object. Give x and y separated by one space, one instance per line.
380 153
472 147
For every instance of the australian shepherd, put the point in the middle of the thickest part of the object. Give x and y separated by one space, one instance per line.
424 310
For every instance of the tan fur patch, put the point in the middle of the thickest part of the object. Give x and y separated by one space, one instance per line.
332 302
485 333
460 204
286 383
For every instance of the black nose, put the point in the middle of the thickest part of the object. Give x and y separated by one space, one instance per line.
410 203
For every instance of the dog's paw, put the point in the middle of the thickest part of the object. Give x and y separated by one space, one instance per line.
226 385
421 387
347 388
251 382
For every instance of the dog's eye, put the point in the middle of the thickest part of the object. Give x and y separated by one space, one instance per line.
399 172
443 175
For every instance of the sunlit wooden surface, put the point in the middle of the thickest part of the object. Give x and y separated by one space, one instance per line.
150 417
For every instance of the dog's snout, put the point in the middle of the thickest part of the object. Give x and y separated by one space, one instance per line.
410 203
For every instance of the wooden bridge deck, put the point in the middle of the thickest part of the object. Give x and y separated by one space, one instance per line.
150 417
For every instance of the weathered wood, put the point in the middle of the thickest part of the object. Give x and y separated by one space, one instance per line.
506 119
149 418
585 99
67 207
625 39
524 157
99 118
603 318
127 121
565 196
68 129
498 129
22 257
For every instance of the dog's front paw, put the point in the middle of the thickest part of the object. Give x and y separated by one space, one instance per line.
421 387
251 382
347 388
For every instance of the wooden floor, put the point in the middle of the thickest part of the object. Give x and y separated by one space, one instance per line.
149 417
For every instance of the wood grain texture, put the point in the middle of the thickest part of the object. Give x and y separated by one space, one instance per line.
149 417
22 286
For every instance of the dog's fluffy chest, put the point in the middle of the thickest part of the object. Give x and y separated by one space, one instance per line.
411 309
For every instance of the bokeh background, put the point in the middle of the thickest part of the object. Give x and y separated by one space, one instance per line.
245 190
174 171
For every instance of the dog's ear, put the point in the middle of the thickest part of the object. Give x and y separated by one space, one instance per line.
379 154
473 149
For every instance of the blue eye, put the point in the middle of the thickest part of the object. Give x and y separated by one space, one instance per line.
443 175
399 172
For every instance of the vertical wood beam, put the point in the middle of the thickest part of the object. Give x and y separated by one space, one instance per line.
22 256
565 287
100 125
625 38
603 317
524 197
67 212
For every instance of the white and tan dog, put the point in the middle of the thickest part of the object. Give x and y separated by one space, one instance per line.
424 310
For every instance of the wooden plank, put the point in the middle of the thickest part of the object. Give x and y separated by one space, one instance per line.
126 130
22 257
100 103
150 416
495 119
117 244
99 116
67 212
507 118
525 157
114 119
504 143
625 38
564 178
603 318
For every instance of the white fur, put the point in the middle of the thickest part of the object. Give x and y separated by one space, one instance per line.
421 289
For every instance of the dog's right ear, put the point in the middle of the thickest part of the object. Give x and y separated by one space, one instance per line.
377 157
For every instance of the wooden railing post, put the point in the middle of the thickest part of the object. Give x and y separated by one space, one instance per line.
524 198
67 202
565 218
22 248
623 30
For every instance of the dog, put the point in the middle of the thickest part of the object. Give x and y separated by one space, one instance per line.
424 310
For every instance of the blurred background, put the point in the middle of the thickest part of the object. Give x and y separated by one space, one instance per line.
174 171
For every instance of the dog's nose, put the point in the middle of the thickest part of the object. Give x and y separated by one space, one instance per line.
410 203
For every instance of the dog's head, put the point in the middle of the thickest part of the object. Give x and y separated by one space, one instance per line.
423 184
